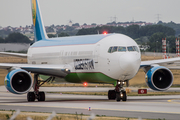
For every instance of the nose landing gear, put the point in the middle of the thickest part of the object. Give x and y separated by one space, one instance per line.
119 93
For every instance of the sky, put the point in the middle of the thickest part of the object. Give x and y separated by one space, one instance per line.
17 13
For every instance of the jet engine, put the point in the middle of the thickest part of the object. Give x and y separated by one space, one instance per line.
18 81
159 78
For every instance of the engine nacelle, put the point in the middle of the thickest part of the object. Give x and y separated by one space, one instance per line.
159 78
18 81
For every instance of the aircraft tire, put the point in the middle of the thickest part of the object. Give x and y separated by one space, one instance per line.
111 95
31 97
41 96
118 98
124 98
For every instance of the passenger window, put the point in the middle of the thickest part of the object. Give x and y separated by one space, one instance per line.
130 48
114 49
122 49
110 49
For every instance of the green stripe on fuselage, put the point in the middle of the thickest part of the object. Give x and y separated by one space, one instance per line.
89 77
85 77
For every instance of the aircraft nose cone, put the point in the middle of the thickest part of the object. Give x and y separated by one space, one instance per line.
129 62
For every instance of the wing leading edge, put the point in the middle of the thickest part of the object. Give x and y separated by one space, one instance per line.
159 62
52 70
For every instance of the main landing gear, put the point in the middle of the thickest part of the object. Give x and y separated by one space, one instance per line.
40 96
119 93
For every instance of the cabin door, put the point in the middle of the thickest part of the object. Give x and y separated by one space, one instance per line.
96 55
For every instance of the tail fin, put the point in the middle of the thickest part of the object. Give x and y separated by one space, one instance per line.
39 30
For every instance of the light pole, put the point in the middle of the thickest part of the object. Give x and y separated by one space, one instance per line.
156 46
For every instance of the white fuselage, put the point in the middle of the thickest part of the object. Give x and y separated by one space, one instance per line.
118 65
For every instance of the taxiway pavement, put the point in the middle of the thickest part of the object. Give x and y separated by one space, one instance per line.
88 89
167 107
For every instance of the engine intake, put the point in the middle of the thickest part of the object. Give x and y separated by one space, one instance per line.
18 81
159 78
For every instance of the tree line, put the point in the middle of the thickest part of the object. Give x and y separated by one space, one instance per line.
173 25
15 38
62 34
155 43
133 31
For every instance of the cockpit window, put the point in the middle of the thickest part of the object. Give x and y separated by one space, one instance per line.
130 48
136 48
117 48
114 49
121 49
109 51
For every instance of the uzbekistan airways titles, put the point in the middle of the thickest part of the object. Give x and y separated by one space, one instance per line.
83 64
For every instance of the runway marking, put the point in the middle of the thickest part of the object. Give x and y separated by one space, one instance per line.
172 101
150 102
144 111
9 98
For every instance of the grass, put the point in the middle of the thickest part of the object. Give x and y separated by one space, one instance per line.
4 115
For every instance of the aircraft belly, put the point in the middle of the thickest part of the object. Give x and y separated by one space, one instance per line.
90 77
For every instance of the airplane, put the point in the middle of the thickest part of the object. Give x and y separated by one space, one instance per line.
102 58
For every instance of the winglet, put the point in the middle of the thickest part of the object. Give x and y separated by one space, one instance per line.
39 30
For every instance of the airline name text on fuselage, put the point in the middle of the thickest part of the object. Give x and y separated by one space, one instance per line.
83 64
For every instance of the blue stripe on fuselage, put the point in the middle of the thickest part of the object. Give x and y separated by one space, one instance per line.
74 40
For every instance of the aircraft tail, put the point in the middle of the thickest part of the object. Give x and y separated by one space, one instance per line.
39 30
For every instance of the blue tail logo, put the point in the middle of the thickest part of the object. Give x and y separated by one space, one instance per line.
39 30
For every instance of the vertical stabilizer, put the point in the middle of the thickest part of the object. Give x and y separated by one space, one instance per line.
39 30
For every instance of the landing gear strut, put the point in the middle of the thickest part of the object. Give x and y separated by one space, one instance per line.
40 96
119 93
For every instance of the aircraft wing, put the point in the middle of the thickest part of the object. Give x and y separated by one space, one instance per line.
52 70
168 63
14 54
164 62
